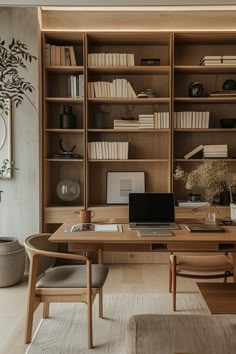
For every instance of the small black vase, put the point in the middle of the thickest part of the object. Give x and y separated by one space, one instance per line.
67 119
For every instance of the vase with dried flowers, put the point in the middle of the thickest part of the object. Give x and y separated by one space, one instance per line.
208 178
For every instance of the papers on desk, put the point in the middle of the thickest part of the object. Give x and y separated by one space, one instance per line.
94 228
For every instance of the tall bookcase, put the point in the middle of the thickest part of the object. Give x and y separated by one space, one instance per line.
189 48
154 151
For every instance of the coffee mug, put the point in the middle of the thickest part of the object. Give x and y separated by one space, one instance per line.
86 216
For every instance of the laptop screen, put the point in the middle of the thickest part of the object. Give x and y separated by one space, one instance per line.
151 207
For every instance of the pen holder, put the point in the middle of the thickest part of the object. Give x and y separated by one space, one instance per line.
86 216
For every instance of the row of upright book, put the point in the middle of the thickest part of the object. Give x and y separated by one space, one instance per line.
218 60
118 88
75 84
59 55
111 59
105 150
156 120
192 119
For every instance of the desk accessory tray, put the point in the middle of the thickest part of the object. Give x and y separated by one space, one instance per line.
204 228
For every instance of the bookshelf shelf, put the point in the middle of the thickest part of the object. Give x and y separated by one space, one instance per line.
64 100
151 131
146 70
135 101
210 69
215 100
131 160
65 160
65 69
207 130
65 131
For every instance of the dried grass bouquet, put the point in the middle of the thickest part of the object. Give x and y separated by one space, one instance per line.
208 178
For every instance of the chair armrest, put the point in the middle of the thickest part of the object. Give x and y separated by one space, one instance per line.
60 255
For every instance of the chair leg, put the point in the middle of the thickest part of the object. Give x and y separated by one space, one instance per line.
174 282
46 306
90 324
100 301
29 319
170 277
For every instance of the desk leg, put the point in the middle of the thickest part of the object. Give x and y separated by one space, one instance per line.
234 259
100 256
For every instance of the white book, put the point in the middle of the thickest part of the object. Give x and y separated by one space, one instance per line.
131 91
47 55
194 152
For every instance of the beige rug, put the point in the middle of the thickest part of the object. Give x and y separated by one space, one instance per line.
65 332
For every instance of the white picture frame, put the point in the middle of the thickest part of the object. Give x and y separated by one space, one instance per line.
5 133
120 184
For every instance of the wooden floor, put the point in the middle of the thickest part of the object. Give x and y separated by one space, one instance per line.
136 278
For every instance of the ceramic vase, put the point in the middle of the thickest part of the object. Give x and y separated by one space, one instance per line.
12 261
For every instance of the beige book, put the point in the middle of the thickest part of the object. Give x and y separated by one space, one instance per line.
58 56
63 56
194 151
53 55
72 55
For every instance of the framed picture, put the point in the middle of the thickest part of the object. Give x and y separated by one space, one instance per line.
120 184
5 132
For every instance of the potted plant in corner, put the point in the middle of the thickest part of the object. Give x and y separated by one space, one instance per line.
12 253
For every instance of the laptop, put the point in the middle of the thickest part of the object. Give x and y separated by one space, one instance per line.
152 211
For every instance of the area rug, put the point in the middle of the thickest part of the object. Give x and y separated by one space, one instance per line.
65 332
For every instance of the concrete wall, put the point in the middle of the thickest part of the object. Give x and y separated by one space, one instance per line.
19 208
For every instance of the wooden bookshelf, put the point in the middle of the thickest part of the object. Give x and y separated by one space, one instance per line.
154 151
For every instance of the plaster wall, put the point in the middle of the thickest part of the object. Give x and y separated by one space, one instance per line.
19 208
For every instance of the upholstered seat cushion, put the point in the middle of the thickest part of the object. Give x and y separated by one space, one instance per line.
213 263
168 334
72 276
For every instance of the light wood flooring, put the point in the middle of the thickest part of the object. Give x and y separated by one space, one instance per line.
136 278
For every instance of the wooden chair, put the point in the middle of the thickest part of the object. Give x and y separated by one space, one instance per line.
65 283
199 267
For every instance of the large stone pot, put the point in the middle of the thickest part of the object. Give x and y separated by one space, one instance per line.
12 261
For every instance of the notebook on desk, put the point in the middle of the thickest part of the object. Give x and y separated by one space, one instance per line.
152 211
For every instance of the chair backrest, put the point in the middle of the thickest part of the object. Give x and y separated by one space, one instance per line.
40 242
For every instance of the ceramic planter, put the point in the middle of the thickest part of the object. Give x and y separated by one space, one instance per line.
12 261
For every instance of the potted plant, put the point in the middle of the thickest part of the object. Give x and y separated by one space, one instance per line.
12 253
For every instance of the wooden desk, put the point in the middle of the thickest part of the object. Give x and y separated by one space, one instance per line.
128 240
219 297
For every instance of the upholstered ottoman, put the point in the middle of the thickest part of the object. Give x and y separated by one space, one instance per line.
169 334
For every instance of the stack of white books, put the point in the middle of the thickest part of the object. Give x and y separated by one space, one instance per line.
189 204
215 151
126 124
211 60
146 121
229 59
218 60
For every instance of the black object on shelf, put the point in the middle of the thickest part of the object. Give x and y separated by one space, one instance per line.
228 122
195 89
67 118
229 84
150 61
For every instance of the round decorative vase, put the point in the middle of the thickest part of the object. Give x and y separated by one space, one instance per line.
12 261
67 119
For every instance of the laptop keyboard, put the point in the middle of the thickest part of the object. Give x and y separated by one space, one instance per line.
153 225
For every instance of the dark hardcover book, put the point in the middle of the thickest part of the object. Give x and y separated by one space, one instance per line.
204 228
